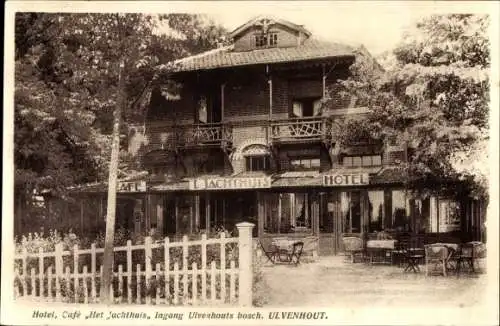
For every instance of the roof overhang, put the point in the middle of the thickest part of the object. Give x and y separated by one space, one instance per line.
260 20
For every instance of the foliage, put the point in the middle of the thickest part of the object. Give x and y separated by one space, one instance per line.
34 241
66 89
433 98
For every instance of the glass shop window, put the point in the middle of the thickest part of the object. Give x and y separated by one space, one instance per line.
351 211
449 215
400 211
375 211
289 212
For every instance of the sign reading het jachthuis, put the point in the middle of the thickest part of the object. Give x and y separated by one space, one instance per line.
230 183
345 179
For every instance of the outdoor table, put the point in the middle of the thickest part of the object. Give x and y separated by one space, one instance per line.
379 249
282 246
412 259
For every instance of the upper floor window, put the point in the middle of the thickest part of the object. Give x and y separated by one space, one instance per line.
305 163
264 40
257 163
306 107
365 160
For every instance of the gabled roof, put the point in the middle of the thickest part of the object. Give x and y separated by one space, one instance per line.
257 21
226 57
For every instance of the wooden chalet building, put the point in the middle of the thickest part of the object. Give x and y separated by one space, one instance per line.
247 139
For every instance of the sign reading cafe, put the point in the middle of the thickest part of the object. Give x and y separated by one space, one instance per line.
132 186
222 183
346 179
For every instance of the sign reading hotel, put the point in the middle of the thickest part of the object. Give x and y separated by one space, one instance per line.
137 186
345 179
229 183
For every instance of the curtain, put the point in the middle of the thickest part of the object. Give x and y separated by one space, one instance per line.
317 107
297 109
399 209
376 210
345 205
345 201
203 110
300 209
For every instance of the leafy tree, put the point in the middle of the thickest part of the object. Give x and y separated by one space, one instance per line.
76 75
65 92
432 97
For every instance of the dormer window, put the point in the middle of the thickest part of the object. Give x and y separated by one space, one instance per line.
266 40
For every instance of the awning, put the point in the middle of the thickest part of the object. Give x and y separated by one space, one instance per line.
297 179
377 176
171 186
389 175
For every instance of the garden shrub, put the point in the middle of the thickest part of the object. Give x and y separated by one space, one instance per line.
32 243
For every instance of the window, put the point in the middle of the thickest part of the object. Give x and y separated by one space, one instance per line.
375 211
265 40
367 160
306 107
208 109
305 164
449 215
202 110
288 212
257 163
350 203
400 211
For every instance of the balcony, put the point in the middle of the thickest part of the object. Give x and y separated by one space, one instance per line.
294 130
205 135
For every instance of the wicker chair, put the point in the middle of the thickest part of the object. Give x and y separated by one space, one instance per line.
353 247
437 255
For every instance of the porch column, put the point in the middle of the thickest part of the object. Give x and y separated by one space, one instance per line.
270 85
196 224
323 80
260 214
207 212
159 214
222 86
81 214
176 215
315 213
279 213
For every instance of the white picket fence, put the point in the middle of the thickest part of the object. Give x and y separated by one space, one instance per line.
153 282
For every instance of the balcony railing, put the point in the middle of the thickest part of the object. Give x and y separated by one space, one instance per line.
205 135
297 129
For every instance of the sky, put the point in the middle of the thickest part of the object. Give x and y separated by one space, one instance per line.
378 25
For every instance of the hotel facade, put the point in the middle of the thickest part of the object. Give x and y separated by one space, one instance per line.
248 138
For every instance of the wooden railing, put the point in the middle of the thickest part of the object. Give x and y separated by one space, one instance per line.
310 128
206 134
168 136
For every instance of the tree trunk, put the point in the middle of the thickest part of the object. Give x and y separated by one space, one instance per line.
107 278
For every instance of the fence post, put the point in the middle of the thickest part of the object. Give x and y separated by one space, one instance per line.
148 253
245 263
59 268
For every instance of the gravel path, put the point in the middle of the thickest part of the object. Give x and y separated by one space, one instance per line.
332 282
